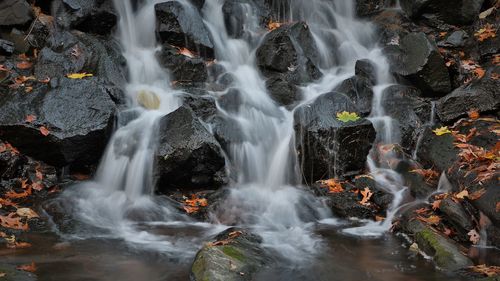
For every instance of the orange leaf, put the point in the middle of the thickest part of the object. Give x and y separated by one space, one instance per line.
24 65
498 207
30 118
434 220
13 222
27 267
473 114
462 195
44 131
14 195
333 186
436 204
367 194
18 245
190 209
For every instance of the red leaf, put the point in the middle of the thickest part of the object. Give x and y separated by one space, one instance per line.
44 131
28 267
30 118
24 65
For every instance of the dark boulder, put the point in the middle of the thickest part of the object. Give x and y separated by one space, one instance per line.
368 7
236 15
93 16
367 69
328 147
409 111
450 11
182 26
6 48
482 95
183 68
78 114
188 156
420 62
455 213
15 12
289 50
283 92
235 255
437 152
360 90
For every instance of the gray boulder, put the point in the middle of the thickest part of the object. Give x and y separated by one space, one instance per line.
15 12
450 11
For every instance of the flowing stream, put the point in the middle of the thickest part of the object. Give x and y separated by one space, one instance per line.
267 196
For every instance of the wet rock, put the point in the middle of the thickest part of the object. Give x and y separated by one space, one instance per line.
360 90
391 25
422 64
444 251
437 152
368 7
94 16
182 26
367 69
79 52
238 258
326 146
188 156
289 50
455 39
183 68
79 115
15 12
237 13
450 11
482 95
13 274
6 48
203 106
455 213
231 101
408 110
283 92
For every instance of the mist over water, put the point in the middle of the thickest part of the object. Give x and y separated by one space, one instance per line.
266 196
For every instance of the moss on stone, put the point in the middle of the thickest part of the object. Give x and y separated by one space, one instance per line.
441 255
233 253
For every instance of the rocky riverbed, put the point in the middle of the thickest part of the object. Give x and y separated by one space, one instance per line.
63 93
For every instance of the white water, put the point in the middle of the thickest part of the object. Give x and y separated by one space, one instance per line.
265 197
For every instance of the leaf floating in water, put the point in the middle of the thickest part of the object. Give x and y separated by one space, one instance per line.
490 271
442 131
347 116
148 100
79 75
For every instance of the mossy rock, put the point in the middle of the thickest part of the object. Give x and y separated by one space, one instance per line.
234 259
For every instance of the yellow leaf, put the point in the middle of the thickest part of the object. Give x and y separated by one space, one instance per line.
26 212
462 194
79 75
442 131
347 116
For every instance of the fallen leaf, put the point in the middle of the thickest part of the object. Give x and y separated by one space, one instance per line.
486 13
498 207
442 131
367 194
234 234
333 186
44 81
38 186
379 218
10 221
447 231
433 220
462 195
30 118
489 271
347 116
474 237
27 267
79 75
473 114
478 194
19 245
436 204
2 274
186 52
422 211
24 65
27 212
486 32
44 131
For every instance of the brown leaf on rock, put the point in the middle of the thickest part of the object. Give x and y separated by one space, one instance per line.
24 65
489 271
30 118
367 194
28 267
498 207
44 131
473 114
474 237
13 222
436 204
333 185
461 195
433 220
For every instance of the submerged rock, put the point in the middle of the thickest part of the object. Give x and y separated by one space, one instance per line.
78 115
235 255
450 11
420 62
482 96
188 156
15 12
182 26
328 147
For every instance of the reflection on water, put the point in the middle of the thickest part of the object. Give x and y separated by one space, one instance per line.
343 258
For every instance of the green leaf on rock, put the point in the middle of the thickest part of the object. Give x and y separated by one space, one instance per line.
347 116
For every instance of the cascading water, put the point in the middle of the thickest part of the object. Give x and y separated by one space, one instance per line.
265 197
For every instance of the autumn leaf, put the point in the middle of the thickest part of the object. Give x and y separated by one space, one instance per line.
27 212
473 114
347 116
27 267
474 237
422 211
272 25
462 195
10 221
489 271
30 118
333 186
488 31
79 75
433 220
19 245
436 204
442 131
498 207
234 234
428 174
185 52
367 194
44 131
24 65
478 194
3 274
379 218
